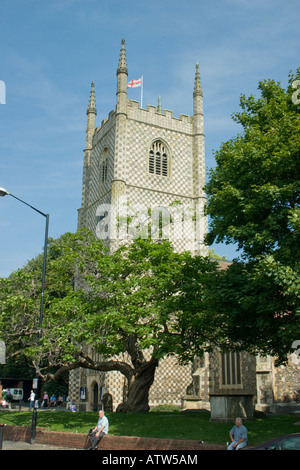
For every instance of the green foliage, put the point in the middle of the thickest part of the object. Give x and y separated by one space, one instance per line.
20 299
143 296
253 201
254 191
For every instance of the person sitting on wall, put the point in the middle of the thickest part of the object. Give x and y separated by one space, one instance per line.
60 400
52 400
99 431
238 435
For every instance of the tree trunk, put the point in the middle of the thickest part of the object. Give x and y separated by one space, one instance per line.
138 392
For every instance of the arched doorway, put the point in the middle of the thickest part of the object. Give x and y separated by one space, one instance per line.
108 402
95 396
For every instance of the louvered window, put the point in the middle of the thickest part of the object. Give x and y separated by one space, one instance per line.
231 369
158 159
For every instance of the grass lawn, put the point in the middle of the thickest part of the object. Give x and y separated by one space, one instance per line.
173 425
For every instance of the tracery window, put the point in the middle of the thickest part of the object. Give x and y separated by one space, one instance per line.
158 159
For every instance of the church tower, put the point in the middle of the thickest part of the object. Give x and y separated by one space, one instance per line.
146 163
143 163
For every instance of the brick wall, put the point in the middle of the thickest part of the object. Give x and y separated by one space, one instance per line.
81 441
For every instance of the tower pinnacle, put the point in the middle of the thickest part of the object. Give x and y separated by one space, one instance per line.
197 86
92 102
91 118
122 75
122 61
159 105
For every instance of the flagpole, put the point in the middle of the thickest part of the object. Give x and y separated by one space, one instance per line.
142 91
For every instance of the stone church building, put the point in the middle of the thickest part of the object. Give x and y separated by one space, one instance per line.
141 159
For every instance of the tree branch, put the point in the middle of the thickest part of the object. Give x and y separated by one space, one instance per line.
86 362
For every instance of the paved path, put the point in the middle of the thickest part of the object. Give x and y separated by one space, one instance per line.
20 445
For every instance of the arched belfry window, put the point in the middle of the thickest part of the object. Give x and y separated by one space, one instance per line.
159 159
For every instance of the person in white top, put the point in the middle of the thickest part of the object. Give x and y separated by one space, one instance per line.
99 431
31 399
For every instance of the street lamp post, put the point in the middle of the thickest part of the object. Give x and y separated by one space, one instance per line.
3 192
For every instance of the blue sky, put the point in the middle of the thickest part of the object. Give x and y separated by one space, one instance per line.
51 51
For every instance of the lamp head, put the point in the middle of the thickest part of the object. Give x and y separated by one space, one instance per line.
3 192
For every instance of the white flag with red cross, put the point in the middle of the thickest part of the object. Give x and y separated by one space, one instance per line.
135 83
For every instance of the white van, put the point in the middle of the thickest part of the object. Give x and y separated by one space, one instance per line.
16 394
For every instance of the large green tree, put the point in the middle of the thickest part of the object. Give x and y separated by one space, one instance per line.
253 201
20 303
133 307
